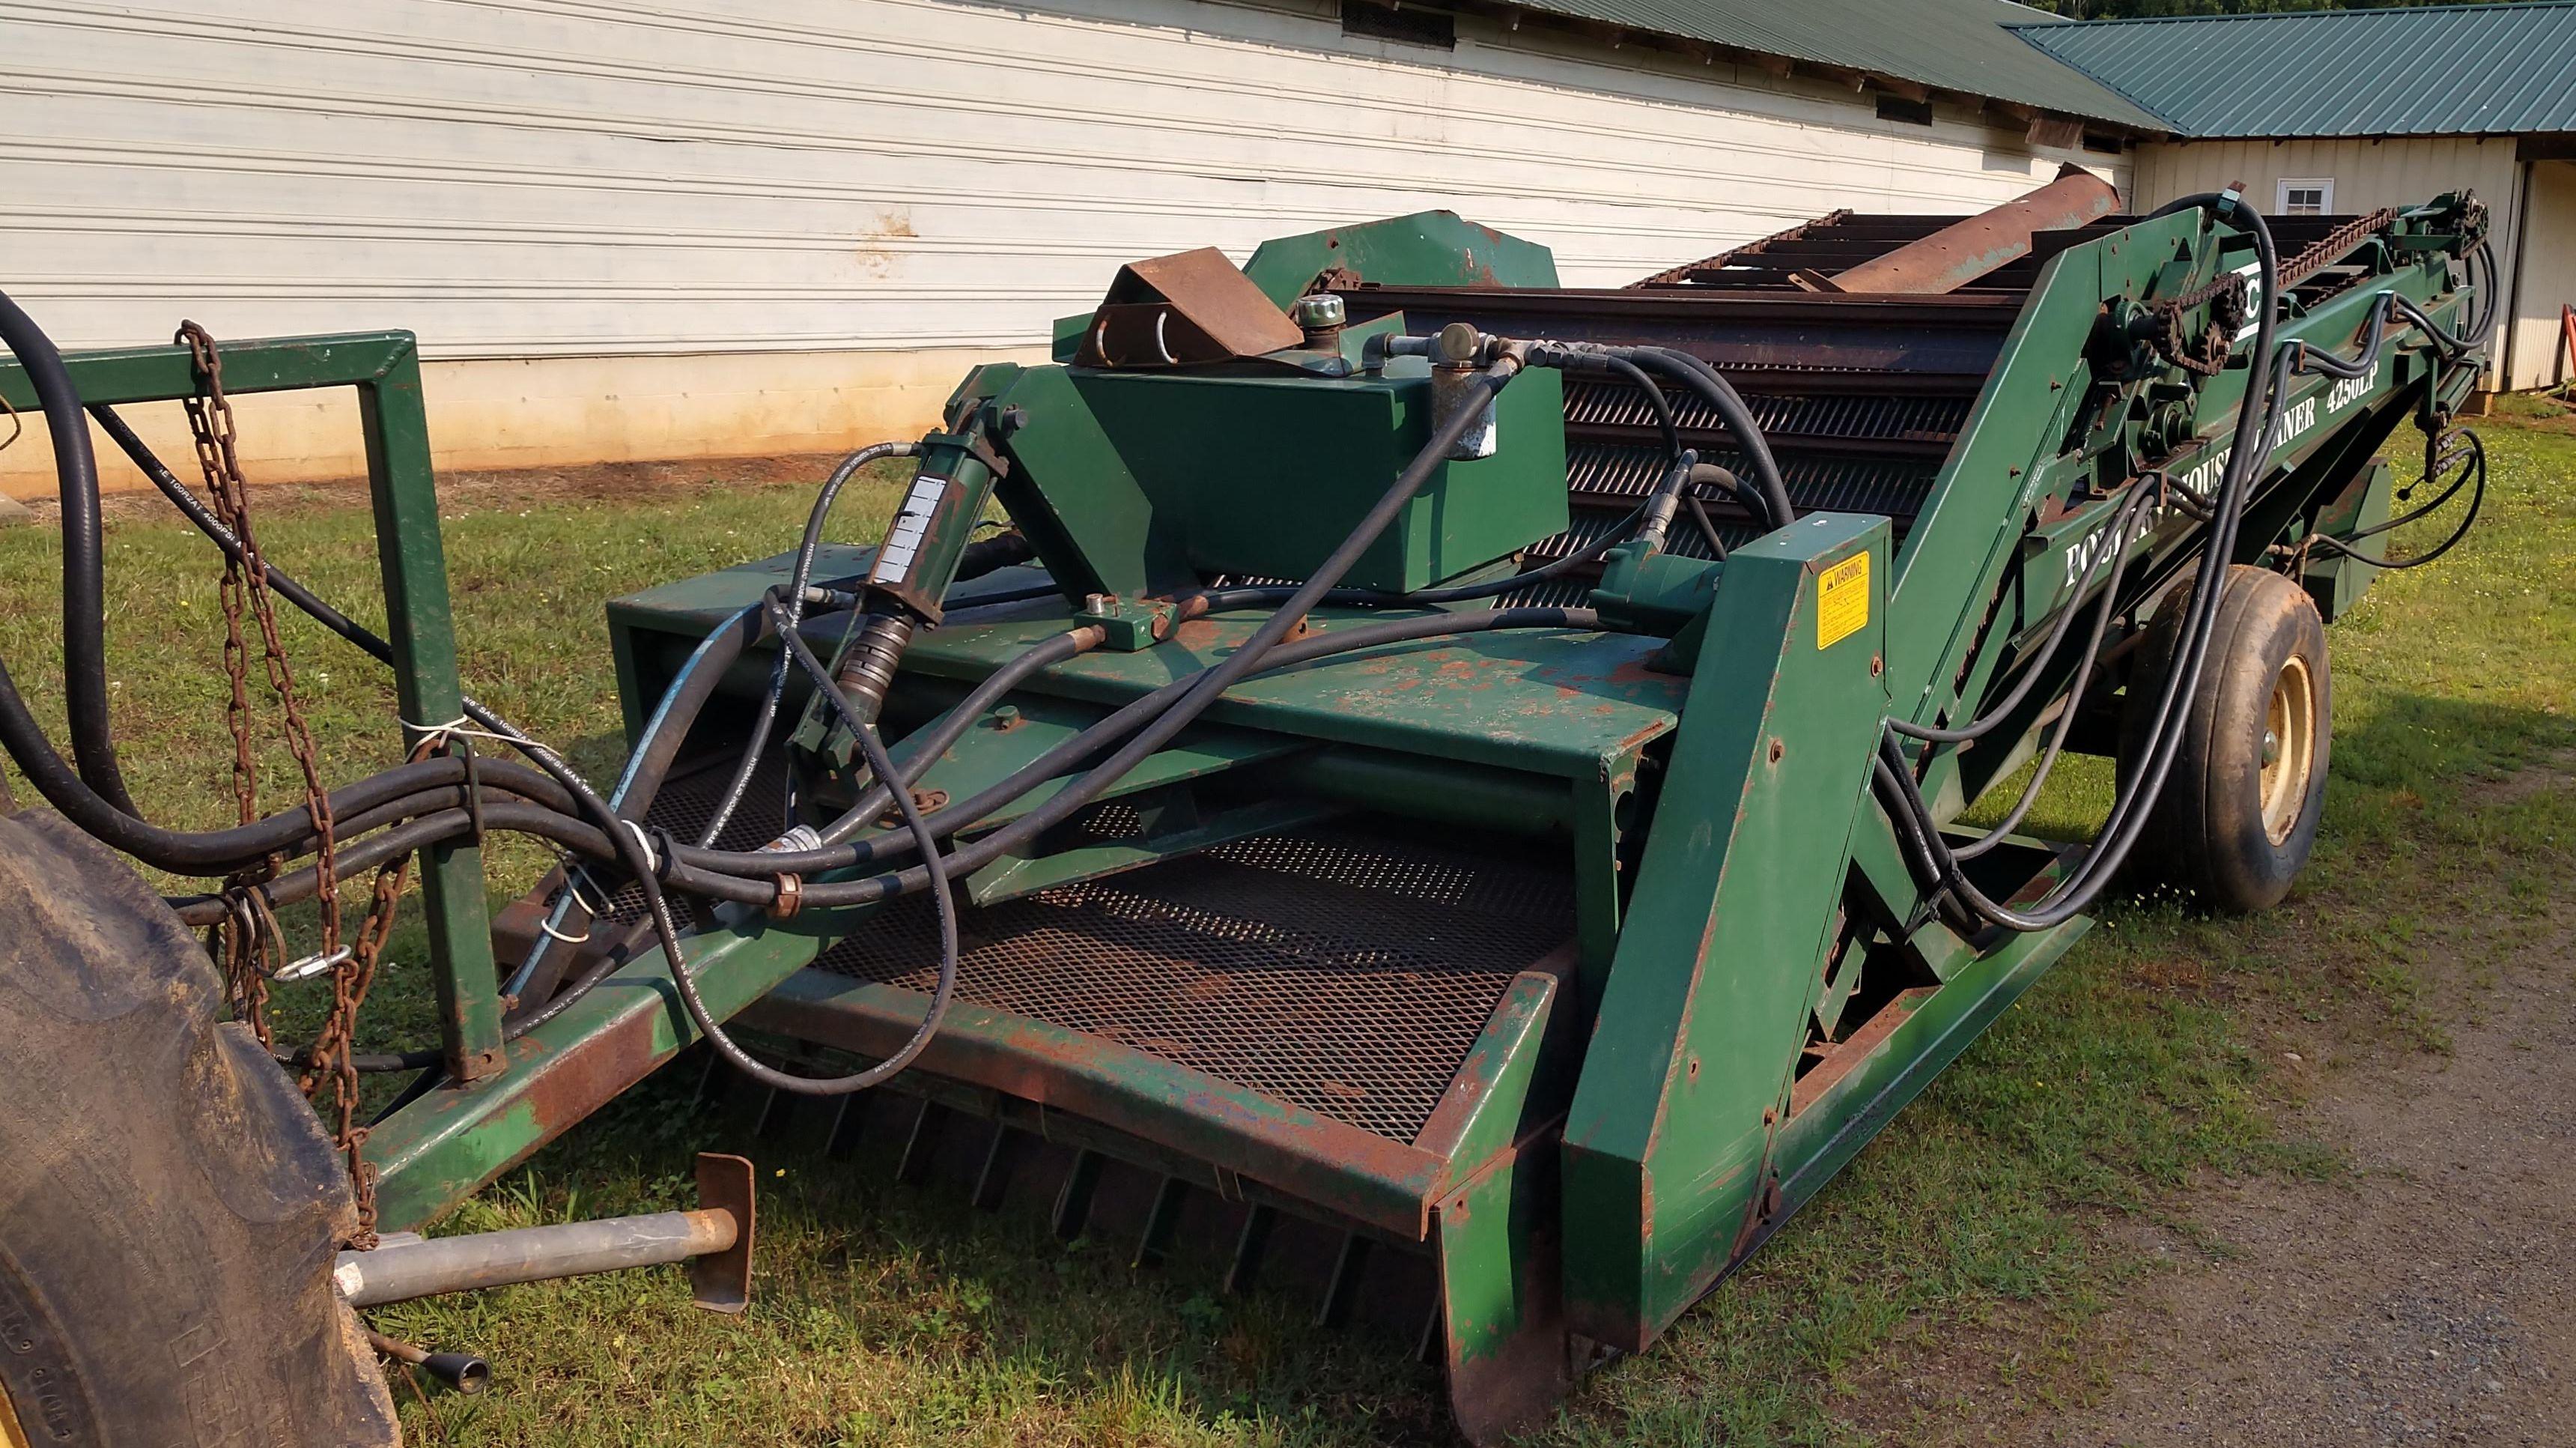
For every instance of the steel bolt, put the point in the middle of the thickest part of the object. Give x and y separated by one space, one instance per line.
1100 605
1006 717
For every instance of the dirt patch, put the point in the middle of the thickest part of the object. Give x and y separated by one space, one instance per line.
2558 772
517 488
2421 1298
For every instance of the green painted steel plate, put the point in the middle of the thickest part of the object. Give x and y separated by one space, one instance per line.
1543 701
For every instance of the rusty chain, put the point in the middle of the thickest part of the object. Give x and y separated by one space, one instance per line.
253 943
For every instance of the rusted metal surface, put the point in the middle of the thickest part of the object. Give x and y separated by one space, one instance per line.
1849 1052
1172 1114
1968 249
1343 973
1682 275
1187 308
720 1280
1793 336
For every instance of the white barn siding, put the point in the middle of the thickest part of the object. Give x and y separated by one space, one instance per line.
630 230
2368 175
2547 279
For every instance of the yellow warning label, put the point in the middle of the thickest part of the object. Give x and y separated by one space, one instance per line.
1842 600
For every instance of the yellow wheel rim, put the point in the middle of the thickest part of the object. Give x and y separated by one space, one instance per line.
2289 748
11 1435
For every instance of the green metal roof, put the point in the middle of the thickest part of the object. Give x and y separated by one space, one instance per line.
1967 46
2450 70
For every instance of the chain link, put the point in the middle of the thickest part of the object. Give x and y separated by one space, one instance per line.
253 943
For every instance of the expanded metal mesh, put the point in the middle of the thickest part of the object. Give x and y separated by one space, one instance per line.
1333 969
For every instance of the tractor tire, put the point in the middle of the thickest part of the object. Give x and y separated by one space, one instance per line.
2238 813
169 1204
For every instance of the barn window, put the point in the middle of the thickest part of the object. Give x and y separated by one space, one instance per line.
1408 23
2305 196
1898 108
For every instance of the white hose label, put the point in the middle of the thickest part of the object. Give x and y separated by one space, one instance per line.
903 540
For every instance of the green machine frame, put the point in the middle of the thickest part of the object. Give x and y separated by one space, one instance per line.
1632 1121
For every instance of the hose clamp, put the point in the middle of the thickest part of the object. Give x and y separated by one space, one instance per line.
789 899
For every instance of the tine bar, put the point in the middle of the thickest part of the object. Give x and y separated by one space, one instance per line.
1429 1349
922 1144
849 1122
1000 1159
1073 1203
1248 1249
774 1106
1160 1219
1344 1288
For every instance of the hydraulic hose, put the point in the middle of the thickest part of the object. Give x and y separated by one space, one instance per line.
2123 518
84 572
1720 394
688 874
2248 460
1203 688
205 521
942 897
2474 471
1671 487
2122 521
798 580
953 725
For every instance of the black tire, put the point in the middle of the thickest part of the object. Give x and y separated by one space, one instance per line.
2233 827
169 1205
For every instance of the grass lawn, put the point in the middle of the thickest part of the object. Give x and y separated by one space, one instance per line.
1972 1232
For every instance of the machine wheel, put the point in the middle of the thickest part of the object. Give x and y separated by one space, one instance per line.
2239 810
169 1205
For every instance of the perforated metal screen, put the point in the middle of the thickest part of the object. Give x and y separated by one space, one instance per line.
1337 970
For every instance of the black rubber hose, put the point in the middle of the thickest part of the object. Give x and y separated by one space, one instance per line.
2476 469
2076 683
205 521
736 875
1266 595
1725 481
942 897
420 832
1202 688
214 852
2248 460
1655 399
1081 792
84 567
1721 395
953 725
2122 519
579 791
966 813
801 576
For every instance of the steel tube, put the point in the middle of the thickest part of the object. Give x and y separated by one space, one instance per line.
400 1271
1967 249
